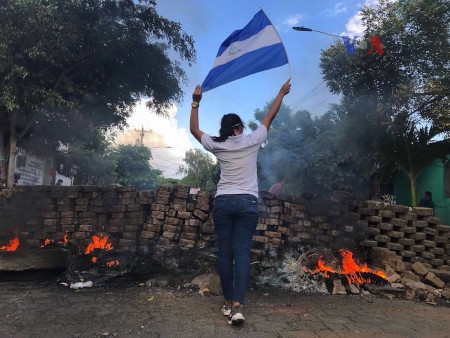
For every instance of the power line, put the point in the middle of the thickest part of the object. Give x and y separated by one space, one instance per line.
319 90
142 132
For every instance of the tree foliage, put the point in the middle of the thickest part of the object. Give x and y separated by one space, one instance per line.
200 169
70 67
99 162
133 167
410 146
370 132
90 162
397 101
313 153
412 75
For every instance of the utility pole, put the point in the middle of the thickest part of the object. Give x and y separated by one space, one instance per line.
140 141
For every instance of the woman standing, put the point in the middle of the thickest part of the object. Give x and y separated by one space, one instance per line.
235 210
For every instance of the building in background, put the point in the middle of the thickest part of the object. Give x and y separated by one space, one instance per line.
435 178
35 170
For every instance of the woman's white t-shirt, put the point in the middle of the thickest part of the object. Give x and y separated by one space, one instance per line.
237 159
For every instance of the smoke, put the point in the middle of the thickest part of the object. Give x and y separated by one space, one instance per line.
166 140
287 272
272 165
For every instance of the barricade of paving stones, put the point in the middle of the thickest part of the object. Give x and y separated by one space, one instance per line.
398 236
170 216
414 234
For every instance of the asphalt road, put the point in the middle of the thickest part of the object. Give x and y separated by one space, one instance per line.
37 309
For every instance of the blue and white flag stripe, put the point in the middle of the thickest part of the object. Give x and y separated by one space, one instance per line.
266 37
255 48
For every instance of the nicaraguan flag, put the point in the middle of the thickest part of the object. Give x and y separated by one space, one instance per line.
255 48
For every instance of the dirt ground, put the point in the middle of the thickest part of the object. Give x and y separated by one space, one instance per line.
45 309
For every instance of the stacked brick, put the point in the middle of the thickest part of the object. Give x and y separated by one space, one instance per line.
177 219
414 234
170 217
156 223
289 220
199 226
78 213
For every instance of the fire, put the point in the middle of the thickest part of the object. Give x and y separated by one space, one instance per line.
99 243
48 241
111 263
351 269
12 246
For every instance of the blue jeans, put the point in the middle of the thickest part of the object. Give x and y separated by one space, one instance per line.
235 220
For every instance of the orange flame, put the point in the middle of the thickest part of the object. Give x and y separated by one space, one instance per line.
12 246
98 243
48 241
111 263
350 269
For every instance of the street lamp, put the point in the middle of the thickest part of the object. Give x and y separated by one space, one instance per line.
305 29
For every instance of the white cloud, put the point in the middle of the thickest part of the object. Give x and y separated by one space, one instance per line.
338 8
292 20
162 135
354 25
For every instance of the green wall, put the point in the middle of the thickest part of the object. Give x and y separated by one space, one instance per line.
432 179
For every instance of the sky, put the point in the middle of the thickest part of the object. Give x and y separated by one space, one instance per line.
210 23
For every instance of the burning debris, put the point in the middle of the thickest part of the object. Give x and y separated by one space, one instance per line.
98 243
91 266
316 270
48 241
98 263
12 245
353 271
308 268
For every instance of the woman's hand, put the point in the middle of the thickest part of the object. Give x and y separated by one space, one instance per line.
197 94
285 88
273 110
194 124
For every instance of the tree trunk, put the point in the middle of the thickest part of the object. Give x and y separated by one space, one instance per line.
2 158
12 150
413 191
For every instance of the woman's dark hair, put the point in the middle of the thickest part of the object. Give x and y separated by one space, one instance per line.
228 123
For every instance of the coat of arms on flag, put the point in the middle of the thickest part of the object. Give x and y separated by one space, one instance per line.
255 48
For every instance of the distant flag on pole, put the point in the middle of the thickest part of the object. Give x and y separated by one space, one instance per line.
255 48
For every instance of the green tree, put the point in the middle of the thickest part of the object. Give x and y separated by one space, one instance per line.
412 75
411 148
313 153
133 167
382 94
70 67
89 162
200 169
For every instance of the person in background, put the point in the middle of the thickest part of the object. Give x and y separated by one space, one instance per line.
427 200
235 209
277 188
16 180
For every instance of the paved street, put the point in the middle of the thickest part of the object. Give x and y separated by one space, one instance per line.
37 309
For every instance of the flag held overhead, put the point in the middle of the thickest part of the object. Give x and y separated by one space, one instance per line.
255 48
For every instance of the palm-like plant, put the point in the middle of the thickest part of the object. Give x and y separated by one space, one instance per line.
410 146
